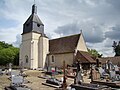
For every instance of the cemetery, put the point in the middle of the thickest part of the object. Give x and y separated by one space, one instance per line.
101 77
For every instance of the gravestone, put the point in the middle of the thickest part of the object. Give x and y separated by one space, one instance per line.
15 73
79 77
112 75
17 80
10 68
17 84
101 71
116 68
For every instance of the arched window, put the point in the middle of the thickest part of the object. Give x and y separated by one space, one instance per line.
53 60
26 59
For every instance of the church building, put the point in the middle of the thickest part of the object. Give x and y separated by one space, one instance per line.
37 51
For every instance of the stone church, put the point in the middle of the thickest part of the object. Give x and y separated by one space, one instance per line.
37 51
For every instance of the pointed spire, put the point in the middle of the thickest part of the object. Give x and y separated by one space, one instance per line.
33 23
34 9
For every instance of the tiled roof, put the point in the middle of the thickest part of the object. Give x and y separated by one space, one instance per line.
64 44
114 60
84 57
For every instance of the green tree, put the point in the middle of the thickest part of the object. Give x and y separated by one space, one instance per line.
16 58
8 54
94 53
5 45
116 47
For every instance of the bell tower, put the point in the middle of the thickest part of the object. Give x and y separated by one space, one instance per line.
33 23
34 46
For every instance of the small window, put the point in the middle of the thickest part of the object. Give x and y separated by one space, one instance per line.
38 25
26 59
53 59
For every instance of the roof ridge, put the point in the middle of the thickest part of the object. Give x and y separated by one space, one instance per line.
65 36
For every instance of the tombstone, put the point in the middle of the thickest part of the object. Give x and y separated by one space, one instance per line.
109 66
112 75
15 73
79 77
116 68
101 71
17 84
17 80
10 68
54 81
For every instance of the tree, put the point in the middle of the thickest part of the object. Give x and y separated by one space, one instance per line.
116 48
94 53
8 54
5 45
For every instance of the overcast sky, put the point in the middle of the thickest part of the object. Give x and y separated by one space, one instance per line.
98 19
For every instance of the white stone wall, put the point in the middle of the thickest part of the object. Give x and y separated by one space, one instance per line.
29 47
81 44
34 50
59 58
43 50
25 50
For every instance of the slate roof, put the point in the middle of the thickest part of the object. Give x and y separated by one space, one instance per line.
34 18
114 60
64 44
84 57
33 23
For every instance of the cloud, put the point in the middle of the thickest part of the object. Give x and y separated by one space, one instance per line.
18 40
93 33
64 17
68 29
9 34
114 33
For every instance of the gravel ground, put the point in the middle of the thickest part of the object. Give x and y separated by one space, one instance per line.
35 82
4 81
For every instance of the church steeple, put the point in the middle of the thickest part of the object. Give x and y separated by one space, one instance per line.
34 9
33 23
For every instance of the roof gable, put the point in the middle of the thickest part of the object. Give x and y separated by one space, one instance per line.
64 44
81 45
84 57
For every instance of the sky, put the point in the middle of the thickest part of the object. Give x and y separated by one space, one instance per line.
99 20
